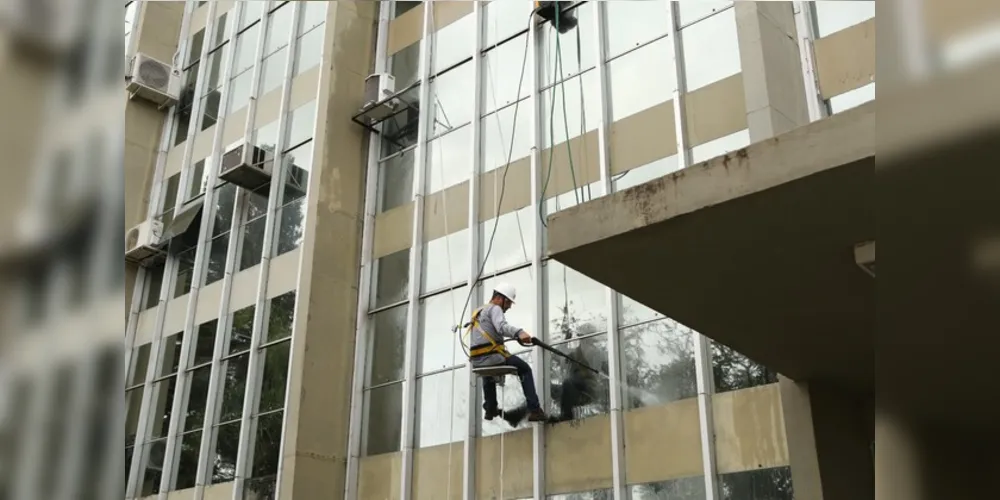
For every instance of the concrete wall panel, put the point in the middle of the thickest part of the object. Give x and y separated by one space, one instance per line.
173 321
379 477
145 326
159 28
209 299
749 429
440 222
517 477
174 162
244 292
393 230
406 29
716 110
284 273
578 456
845 60
516 196
669 433
438 471
222 491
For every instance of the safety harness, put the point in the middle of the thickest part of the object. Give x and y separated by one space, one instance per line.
480 350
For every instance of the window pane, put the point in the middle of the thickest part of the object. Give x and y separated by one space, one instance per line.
451 103
301 123
688 488
384 412
308 48
210 109
195 183
772 484
437 344
835 16
732 370
852 99
205 343
298 164
239 91
645 173
576 58
140 363
392 277
577 305
279 28
246 48
197 399
171 354
267 445
513 242
572 115
241 330
227 442
154 281
312 15
261 487
641 80
711 50
396 181
522 314
133 403
170 196
659 363
280 317
453 43
290 227
257 202
234 387
497 130
187 467
218 249
196 44
214 70
155 453
446 261
631 24
503 19
402 7
387 342
163 400
693 11
632 312
574 391
274 71
442 402
449 159
584 495
253 243
502 70
185 272
272 388
405 66
252 11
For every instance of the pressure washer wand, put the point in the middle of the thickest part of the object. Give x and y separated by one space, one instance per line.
553 350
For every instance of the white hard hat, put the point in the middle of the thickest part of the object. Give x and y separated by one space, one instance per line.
507 290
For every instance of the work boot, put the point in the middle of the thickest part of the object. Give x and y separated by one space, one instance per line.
491 413
537 416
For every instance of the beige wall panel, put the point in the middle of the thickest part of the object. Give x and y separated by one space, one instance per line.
716 110
209 299
283 274
439 222
304 88
354 29
235 125
406 29
146 326
174 161
846 60
224 6
199 19
393 230
159 29
947 18
517 476
187 494
379 477
642 138
662 442
142 136
202 144
268 108
244 291
222 491
431 476
173 321
586 165
517 193
749 429
580 456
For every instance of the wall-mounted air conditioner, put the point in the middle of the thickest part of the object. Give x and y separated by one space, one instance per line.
143 242
153 80
47 28
379 87
247 166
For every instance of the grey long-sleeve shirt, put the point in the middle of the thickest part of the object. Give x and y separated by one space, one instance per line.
492 322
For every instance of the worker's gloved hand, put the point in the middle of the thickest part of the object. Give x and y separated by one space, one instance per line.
524 338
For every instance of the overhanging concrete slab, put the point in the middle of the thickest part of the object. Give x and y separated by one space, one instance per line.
754 249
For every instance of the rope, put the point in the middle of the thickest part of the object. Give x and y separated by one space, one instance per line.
503 398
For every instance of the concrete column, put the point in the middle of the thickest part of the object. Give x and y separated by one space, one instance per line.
315 449
772 74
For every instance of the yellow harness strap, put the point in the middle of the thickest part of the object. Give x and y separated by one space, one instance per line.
486 349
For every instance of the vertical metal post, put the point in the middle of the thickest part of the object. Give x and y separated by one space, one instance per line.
805 13
615 359
255 367
416 258
680 92
469 449
541 374
258 70
365 274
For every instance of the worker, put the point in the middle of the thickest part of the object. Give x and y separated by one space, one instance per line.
489 329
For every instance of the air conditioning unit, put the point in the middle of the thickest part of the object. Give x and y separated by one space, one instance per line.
153 80
379 87
49 28
142 242
247 166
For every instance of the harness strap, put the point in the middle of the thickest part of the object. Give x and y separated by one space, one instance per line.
483 349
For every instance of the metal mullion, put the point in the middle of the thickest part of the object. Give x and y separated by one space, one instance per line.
385 308
806 34
254 367
680 92
181 392
257 73
705 17
469 441
538 360
416 259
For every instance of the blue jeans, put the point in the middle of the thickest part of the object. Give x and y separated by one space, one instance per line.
527 385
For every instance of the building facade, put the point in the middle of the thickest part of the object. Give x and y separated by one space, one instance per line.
296 341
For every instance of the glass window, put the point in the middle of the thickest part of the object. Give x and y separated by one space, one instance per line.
720 146
448 160
576 109
312 14
641 79
194 49
274 71
659 363
140 363
453 43
221 34
396 181
631 24
832 17
297 165
852 99
574 391
217 252
688 488
272 388
732 370
205 343
196 181
185 272
585 495
253 243
210 109
239 91
170 196
711 50
438 346
301 122
504 19
693 11
576 195
392 278
187 466
513 240
256 203
772 484
225 199
154 281
645 173
576 47
290 227
405 66
279 28
632 312
402 7
133 403
446 261
308 49
267 447
171 354
387 342
246 48
498 129
383 416
241 330
442 401
234 388
197 398
155 453
252 11
577 305
452 104
226 446
215 70
522 314
163 400
280 316
502 70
